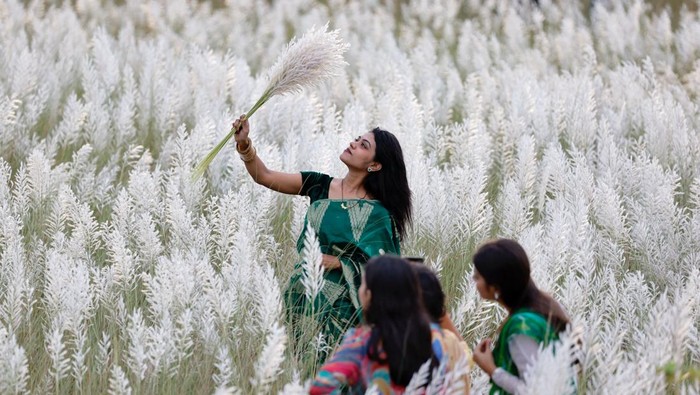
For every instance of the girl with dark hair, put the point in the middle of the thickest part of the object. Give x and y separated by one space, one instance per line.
434 301
395 340
433 295
356 217
502 273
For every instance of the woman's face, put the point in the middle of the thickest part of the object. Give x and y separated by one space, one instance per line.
364 294
360 153
486 291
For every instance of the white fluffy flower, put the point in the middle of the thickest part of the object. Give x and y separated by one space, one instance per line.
306 62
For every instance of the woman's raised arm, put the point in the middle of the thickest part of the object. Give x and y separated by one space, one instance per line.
289 183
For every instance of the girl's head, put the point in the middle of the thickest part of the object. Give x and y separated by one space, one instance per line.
502 268
433 296
378 154
502 273
391 300
389 288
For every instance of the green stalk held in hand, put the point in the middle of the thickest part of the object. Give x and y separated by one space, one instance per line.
306 62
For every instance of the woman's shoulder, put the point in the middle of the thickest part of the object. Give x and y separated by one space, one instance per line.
526 315
311 178
315 185
527 322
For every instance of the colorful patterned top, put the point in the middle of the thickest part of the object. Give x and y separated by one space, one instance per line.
354 230
521 322
350 370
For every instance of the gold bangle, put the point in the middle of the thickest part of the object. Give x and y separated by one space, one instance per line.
247 148
249 154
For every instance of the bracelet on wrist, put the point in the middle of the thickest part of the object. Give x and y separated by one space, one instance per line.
247 154
250 155
248 145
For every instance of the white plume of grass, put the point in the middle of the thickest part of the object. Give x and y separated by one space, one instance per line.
79 367
440 380
296 387
553 369
118 382
456 381
320 344
268 365
56 349
267 298
224 368
14 279
104 352
183 337
14 366
306 62
137 359
420 379
313 270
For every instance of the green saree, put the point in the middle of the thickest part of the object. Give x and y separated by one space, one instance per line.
521 322
354 230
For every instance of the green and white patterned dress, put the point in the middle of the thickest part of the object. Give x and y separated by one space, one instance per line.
354 230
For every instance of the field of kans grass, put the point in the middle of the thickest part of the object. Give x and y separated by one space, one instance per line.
569 127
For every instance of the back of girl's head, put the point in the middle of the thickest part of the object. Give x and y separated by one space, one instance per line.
503 263
389 185
399 323
394 287
433 296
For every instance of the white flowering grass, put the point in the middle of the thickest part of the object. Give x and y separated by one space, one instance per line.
306 62
571 129
313 269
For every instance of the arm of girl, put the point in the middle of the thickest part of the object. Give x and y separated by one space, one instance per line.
447 324
289 183
523 350
330 262
483 357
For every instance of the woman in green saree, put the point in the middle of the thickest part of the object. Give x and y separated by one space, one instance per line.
502 273
356 217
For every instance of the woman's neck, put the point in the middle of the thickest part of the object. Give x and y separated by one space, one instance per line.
353 183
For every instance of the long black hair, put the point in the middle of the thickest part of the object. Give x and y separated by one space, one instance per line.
433 295
390 184
503 263
397 317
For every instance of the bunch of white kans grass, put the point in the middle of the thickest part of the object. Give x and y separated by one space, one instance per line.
309 61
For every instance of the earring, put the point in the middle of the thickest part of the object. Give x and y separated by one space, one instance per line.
496 295
369 170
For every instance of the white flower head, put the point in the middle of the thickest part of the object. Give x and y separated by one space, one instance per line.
308 61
